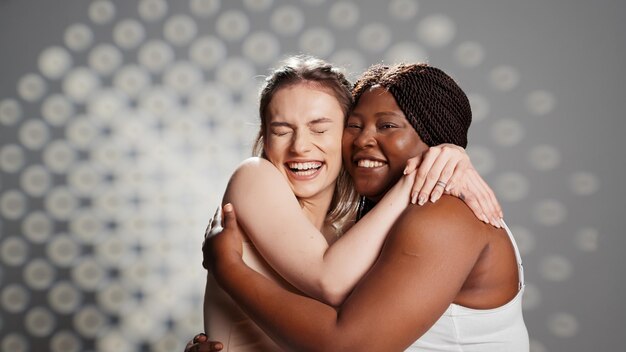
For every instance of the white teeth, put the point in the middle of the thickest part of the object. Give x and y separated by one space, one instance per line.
369 163
305 166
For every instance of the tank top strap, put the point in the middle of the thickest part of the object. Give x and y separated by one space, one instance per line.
518 257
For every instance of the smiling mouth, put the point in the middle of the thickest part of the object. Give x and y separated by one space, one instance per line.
369 164
304 169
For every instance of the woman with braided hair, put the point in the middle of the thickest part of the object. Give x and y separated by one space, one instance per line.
444 281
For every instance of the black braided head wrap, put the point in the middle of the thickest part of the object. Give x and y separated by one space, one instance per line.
431 100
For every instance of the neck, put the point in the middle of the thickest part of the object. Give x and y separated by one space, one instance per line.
315 208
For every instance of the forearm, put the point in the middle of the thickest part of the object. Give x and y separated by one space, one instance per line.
348 259
295 322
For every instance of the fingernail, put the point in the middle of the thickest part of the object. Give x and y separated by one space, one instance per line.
496 223
228 207
421 200
485 219
502 222
405 171
413 197
435 196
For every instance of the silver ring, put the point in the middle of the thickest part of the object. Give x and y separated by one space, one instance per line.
441 183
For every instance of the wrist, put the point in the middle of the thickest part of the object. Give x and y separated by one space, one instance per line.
225 265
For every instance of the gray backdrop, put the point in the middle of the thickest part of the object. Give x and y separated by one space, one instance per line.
120 122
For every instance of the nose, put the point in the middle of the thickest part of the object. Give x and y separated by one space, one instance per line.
365 138
301 142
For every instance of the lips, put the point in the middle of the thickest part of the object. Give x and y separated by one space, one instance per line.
368 161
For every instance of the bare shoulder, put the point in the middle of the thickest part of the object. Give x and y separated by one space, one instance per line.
252 176
438 224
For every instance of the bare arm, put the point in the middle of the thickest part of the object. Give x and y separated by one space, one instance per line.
400 298
270 215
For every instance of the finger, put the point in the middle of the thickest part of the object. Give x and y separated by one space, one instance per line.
212 221
229 216
201 337
216 346
444 178
434 174
428 159
411 165
491 203
479 190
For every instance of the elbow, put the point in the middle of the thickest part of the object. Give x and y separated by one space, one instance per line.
332 292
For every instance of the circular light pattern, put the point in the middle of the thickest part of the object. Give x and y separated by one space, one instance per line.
12 204
139 323
87 274
78 37
317 41
83 179
129 33
232 25
403 10
85 226
549 212
59 156
65 341
343 14
258 5
351 60
212 100
60 203
544 157
105 59
287 20
101 11
37 227
155 55
11 158
540 102
584 183
183 77
512 186
107 104
374 37
180 29
80 83
80 132
10 111
482 159
33 134
14 251
507 132
56 109
62 250
112 298
132 80
480 106
114 340
54 62
436 30
405 52
14 298
236 73
31 87
261 48
152 10
207 52
64 298
563 325
504 78
586 239
204 8
532 297
15 343
89 321
39 274
158 101
469 54
556 268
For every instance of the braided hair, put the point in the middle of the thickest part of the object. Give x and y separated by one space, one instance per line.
431 100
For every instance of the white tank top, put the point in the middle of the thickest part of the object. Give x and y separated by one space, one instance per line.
462 329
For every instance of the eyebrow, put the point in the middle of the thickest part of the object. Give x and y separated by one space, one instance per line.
379 114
